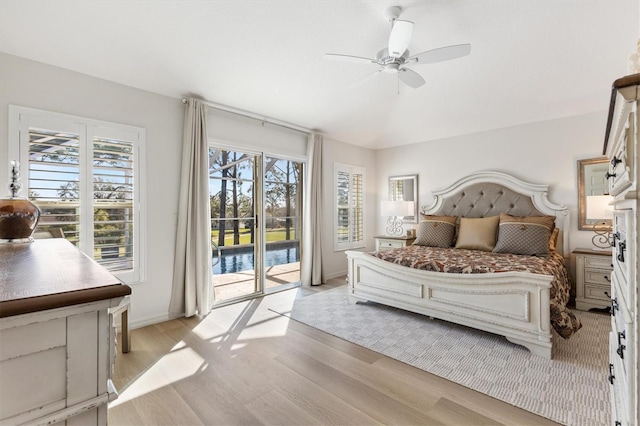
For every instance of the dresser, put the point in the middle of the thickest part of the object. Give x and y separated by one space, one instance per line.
593 278
57 340
621 148
386 242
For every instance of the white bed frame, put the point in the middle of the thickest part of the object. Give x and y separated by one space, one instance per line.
511 304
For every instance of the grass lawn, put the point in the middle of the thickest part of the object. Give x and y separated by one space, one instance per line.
276 234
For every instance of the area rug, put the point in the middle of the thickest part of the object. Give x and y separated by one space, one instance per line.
572 388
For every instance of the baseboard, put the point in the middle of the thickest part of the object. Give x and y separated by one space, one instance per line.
335 275
143 322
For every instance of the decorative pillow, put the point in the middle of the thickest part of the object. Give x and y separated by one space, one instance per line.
524 235
478 233
553 241
436 231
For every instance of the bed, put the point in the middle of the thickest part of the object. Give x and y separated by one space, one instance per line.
518 296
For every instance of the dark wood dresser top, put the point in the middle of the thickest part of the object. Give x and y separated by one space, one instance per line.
51 273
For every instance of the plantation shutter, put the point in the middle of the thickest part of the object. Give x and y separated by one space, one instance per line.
54 180
357 207
349 206
113 208
85 177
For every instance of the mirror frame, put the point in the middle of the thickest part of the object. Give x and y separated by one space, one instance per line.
414 180
582 200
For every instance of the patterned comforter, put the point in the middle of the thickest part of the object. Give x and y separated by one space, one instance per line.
460 261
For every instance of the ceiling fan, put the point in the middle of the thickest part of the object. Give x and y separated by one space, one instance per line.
395 58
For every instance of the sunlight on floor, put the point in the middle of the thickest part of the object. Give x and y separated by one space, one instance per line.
177 365
229 328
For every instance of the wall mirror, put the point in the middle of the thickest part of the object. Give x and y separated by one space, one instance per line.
405 188
591 181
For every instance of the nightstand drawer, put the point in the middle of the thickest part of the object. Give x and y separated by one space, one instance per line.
386 244
598 262
597 276
597 292
593 279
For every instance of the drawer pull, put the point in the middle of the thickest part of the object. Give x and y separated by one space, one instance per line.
621 347
608 280
615 161
611 376
609 175
606 293
617 423
614 306
622 246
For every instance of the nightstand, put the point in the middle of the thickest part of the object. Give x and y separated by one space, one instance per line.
593 278
387 242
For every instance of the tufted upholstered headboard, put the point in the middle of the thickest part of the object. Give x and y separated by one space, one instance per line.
490 193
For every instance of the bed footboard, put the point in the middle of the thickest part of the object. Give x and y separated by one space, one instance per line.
511 304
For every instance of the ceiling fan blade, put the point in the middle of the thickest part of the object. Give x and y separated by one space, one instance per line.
441 54
364 79
349 58
410 77
400 38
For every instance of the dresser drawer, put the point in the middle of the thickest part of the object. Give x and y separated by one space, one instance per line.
624 253
623 330
620 401
622 157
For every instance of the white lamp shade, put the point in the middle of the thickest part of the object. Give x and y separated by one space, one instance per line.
598 207
397 208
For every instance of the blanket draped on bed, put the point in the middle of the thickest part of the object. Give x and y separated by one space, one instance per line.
461 261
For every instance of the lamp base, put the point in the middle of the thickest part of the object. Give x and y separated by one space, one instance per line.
603 240
394 226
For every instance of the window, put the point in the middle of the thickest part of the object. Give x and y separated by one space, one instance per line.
71 166
349 206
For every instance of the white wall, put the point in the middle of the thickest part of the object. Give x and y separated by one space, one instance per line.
32 84
545 152
335 262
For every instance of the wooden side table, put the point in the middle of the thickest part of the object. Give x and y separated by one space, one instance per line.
593 278
387 242
57 338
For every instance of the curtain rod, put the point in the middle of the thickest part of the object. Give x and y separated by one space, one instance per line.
252 115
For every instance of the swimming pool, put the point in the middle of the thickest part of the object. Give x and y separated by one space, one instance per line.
236 262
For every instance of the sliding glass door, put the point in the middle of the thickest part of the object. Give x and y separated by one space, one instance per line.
283 202
234 240
255 222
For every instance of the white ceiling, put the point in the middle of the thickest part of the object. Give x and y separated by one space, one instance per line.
531 60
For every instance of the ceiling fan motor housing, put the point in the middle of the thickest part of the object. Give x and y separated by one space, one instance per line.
391 64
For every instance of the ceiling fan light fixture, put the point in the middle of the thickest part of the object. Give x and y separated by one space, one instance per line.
391 68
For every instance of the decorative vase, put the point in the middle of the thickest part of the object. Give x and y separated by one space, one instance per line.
18 215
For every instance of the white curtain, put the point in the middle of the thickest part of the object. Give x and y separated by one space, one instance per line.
312 229
192 273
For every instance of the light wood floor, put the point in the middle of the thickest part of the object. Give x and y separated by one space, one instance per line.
246 365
